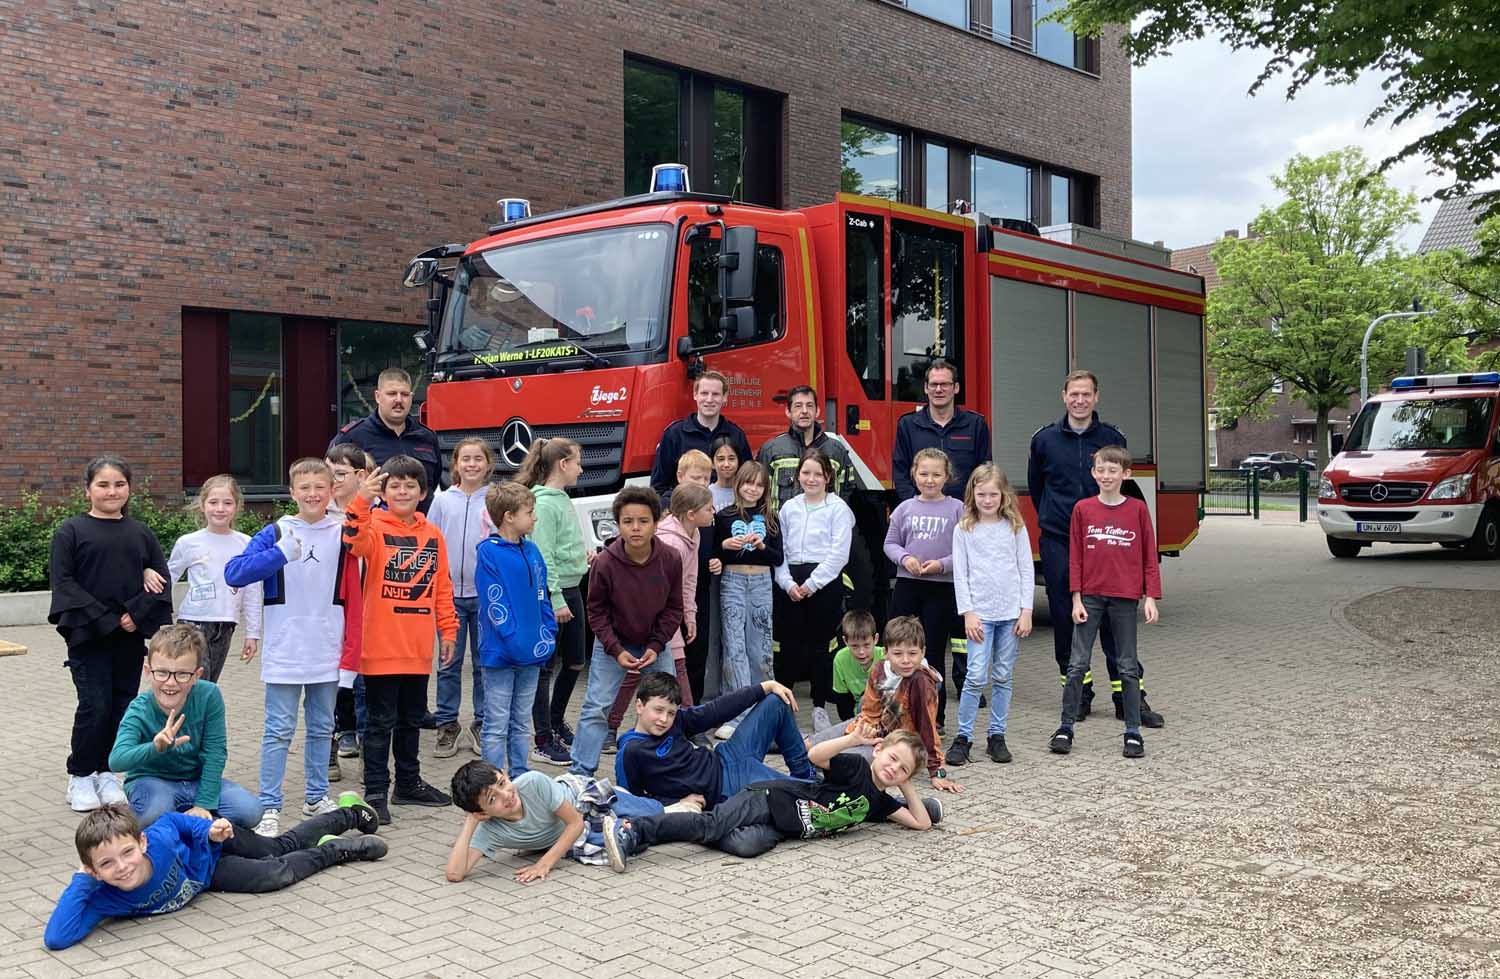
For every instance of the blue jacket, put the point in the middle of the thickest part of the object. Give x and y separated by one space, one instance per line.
517 626
1059 473
966 439
685 434
671 766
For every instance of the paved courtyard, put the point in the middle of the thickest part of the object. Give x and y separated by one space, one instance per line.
1322 802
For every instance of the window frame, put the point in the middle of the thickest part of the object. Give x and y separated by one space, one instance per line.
763 250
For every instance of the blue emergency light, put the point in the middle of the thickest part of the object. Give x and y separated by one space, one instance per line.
514 209
1446 380
669 178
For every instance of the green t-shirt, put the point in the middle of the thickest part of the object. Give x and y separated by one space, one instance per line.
848 676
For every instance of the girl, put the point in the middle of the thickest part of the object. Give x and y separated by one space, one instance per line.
108 578
706 659
551 468
816 529
458 513
212 605
747 542
993 580
727 461
920 544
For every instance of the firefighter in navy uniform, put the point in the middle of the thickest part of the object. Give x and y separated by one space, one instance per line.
1058 475
390 430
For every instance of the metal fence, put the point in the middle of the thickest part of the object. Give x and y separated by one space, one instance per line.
1232 492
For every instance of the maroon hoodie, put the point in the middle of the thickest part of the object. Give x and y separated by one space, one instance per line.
635 605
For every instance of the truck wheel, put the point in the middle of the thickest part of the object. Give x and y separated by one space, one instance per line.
1485 544
1339 547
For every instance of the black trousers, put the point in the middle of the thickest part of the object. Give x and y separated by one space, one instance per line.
806 628
217 635
107 676
695 653
740 826
394 706
254 864
1060 609
933 603
552 696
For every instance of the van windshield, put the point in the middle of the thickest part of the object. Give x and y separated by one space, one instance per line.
1438 423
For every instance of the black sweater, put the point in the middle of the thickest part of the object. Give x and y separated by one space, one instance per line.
96 570
728 523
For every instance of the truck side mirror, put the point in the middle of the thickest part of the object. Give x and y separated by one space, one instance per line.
419 272
737 325
737 259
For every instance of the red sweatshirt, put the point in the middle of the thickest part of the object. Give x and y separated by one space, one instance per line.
1112 550
635 604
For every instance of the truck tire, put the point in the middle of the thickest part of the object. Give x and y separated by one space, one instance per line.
1485 544
1339 547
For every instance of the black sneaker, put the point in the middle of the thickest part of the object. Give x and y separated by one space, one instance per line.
1062 741
447 740
420 794
958 752
348 745
997 749
563 733
365 818
429 722
1135 746
382 811
610 743
934 807
1149 717
621 842
335 770
1085 704
358 848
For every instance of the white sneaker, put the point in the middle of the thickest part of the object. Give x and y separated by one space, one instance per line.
725 732
107 784
820 719
270 823
82 796
323 805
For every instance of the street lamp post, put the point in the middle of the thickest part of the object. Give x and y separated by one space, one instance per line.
1364 348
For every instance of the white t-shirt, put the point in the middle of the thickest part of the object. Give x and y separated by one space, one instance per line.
203 555
539 826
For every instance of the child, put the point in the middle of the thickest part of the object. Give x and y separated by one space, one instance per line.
920 543
518 631
851 664
726 462
99 563
1112 565
534 814
350 465
708 676
408 596
993 583
127 872
747 542
458 514
692 467
817 528
211 604
552 467
635 605
172 741
301 565
658 759
754 820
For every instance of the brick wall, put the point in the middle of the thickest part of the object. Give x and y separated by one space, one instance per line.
290 159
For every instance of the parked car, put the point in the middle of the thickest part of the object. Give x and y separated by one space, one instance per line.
1276 465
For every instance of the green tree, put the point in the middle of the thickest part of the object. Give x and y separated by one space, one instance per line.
1434 58
1296 297
1466 290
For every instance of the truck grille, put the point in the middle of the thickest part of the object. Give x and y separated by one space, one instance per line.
1383 492
603 451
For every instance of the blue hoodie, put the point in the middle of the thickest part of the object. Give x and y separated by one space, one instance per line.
517 626
671 766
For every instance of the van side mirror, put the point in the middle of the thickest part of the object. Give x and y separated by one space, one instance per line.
737 259
419 272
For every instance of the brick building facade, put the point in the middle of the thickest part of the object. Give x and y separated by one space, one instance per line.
179 179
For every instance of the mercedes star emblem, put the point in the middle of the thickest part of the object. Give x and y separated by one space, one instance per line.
515 385
1378 492
515 442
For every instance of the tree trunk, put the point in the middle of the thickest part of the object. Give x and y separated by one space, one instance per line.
1320 439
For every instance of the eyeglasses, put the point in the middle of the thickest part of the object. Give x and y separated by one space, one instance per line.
340 475
181 676
940 385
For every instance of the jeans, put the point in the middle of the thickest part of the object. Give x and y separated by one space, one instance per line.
107 674
552 696
1060 611
993 658
281 723
450 678
768 723
394 705
150 797
745 602
506 733
605 676
741 827
251 864
1117 614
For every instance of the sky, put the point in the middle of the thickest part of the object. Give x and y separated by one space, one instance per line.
1204 150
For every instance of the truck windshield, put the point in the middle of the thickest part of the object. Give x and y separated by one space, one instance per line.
1440 423
601 290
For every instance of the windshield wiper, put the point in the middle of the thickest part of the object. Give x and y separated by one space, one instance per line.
593 357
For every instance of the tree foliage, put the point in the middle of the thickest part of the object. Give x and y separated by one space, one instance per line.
1467 298
1434 57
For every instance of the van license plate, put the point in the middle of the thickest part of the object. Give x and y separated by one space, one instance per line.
1377 528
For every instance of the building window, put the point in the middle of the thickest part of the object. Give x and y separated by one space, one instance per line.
366 349
955 12
729 142
254 393
1061 193
864 300
871 160
926 305
935 162
1213 439
1001 188
1054 41
653 107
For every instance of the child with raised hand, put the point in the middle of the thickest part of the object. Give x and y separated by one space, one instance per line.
993 584
458 513
920 543
747 542
517 630
852 663
552 467
108 577
210 604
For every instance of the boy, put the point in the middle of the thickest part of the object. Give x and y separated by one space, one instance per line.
851 664
533 813
350 465
635 606
126 872
756 819
300 562
171 740
407 593
657 759
1112 565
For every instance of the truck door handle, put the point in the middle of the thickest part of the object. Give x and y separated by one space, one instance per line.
851 420
782 397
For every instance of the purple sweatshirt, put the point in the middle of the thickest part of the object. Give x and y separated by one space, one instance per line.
924 531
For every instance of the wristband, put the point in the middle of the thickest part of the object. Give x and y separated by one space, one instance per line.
940 773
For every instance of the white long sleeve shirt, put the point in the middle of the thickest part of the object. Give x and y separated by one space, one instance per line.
993 576
203 554
817 534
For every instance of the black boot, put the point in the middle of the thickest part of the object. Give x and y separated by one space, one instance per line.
1149 717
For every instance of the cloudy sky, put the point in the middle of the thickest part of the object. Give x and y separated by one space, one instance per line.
1205 150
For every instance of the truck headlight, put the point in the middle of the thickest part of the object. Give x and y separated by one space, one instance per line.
1325 489
1452 488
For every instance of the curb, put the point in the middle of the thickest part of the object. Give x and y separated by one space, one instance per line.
31 607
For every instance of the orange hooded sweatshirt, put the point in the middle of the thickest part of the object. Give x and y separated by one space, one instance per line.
407 590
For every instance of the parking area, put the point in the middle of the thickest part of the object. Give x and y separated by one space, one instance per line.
1324 801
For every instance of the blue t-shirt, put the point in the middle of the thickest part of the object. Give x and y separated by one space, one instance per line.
182 864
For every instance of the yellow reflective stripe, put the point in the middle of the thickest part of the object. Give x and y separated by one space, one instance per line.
848 581
812 324
1117 686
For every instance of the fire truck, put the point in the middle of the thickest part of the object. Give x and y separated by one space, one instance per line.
590 322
